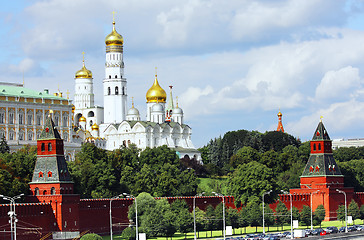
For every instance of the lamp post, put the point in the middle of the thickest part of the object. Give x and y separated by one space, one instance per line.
223 210
346 210
12 214
311 207
136 214
194 213
263 209
111 199
290 198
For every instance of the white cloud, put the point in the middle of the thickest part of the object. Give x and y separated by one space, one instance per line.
339 84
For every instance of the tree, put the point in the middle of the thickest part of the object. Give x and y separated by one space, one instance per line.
319 214
255 214
305 215
4 147
91 236
249 181
232 218
276 140
268 216
362 211
341 213
245 155
295 213
182 218
353 210
129 233
282 214
243 215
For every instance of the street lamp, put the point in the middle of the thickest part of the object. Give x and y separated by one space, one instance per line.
290 198
111 199
136 214
194 212
263 209
311 207
223 210
12 214
346 210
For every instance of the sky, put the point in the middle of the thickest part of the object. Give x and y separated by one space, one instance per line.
232 64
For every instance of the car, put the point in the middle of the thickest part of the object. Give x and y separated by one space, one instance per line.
308 232
331 230
360 228
351 229
250 237
323 233
317 231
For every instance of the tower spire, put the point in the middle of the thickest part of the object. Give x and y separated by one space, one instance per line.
280 125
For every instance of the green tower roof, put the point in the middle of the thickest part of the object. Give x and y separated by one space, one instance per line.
320 133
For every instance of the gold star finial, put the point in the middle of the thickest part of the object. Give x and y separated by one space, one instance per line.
321 117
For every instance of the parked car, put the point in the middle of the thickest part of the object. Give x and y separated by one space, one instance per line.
342 229
308 232
360 228
351 229
317 231
332 230
323 233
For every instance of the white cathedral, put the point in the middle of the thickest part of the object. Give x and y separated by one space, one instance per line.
114 126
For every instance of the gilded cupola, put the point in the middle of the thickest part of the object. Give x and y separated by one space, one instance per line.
114 38
83 72
156 93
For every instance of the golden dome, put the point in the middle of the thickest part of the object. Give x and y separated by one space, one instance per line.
279 114
95 127
114 38
156 93
82 119
83 72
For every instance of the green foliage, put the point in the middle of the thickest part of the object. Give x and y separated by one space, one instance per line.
129 233
4 147
232 217
182 218
244 155
282 214
345 154
155 217
91 236
353 210
249 181
353 172
305 215
255 213
98 173
319 214
277 141
268 215
341 213
362 211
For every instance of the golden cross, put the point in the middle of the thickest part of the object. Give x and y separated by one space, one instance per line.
177 100
113 16
156 71
68 93
132 101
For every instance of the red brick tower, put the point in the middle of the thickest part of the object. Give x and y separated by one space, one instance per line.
52 183
321 176
280 125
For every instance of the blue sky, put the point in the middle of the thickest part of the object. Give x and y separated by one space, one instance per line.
233 64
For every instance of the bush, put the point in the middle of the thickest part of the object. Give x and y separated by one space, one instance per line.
91 236
128 233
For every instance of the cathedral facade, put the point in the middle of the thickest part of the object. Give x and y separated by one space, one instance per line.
114 125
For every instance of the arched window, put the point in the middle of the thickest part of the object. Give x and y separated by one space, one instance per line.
49 174
40 174
319 146
314 147
108 91
116 76
123 90
49 147
109 76
36 191
45 192
42 148
116 91
53 191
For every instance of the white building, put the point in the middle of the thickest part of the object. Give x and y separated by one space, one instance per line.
354 142
119 127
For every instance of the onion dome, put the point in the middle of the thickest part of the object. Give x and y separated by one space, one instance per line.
82 119
73 108
95 127
157 107
156 93
83 72
177 110
279 114
133 111
114 38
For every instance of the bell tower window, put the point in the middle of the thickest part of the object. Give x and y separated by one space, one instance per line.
43 147
108 91
116 91
49 147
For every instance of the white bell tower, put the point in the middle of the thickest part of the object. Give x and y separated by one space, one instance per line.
115 91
